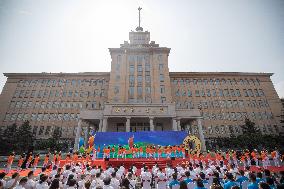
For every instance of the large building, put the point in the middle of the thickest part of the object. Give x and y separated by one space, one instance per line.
140 94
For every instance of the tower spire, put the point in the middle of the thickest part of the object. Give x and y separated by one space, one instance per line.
139 28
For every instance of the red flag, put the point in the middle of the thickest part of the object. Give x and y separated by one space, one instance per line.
131 141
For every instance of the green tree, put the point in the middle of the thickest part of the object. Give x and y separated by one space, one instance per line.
25 137
9 139
55 140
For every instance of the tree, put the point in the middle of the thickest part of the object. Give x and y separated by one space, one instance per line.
249 128
55 140
9 139
25 137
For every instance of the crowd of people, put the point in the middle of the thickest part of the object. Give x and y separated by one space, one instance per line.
203 170
185 176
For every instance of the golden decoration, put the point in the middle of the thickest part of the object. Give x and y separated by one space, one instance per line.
195 141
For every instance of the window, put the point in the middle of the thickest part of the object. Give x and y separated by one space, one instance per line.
162 89
148 90
131 80
221 92
163 99
116 89
139 69
148 79
147 67
161 77
139 79
189 93
161 67
226 93
70 93
214 92
131 91
131 69
261 93
202 93
197 93
139 91
250 93
237 92
245 93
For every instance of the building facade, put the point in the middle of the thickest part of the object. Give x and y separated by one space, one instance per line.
140 94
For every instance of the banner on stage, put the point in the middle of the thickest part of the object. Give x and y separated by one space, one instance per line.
163 138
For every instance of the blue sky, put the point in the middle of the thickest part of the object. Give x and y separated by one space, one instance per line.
204 35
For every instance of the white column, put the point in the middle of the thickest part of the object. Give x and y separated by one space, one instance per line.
104 128
78 134
178 125
127 124
201 135
174 124
100 125
152 127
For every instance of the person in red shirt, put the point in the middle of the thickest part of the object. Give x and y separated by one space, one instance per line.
20 162
36 160
46 160
141 154
10 162
30 158
68 159
58 159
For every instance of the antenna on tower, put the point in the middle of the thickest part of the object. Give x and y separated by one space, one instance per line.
139 28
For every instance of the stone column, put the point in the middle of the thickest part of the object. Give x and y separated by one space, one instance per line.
86 137
100 125
174 124
178 125
201 135
78 134
127 125
104 128
152 127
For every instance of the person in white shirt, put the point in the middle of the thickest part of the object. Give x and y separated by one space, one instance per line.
146 177
22 183
132 180
114 181
13 181
97 181
81 182
42 184
2 175
107 185
72 184
30 183
161 180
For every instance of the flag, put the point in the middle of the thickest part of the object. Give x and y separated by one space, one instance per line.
131 141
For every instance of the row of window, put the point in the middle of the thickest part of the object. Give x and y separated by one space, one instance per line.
235 116
42 117
220 92
262 103
58 93
48 130
56 105
61 82
215 81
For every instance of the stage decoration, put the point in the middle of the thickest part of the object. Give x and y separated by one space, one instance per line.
81 142
192 144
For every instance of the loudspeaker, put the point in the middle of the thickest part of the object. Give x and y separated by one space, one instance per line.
106 159
173 158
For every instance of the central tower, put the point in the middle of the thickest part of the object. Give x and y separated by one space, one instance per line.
139 70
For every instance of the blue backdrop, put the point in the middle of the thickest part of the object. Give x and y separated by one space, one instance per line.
151 137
